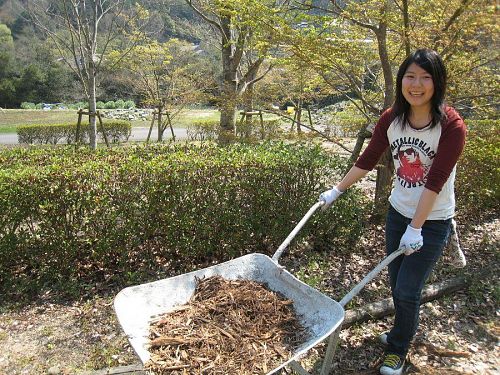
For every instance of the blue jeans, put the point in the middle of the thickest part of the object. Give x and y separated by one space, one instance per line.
408 274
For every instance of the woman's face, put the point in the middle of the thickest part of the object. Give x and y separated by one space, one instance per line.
417 87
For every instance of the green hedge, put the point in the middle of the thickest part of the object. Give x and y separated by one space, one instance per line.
478 171
123 215
252 130
116 131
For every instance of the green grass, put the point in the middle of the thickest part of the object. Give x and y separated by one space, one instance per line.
11 118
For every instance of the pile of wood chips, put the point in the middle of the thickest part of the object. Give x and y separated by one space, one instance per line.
228 327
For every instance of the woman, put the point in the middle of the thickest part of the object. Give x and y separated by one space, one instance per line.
426 138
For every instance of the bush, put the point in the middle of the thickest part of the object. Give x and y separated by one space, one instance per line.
478 170
120 104
27 105
69 215
129 104
252 130
203 130
116 131
110 105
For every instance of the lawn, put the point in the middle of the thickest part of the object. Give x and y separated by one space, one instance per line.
11 118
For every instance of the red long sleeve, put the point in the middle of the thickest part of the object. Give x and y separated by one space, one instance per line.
451 145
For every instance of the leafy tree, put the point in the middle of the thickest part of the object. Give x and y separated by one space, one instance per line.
7 82
82 32
244 28
169 75
6 50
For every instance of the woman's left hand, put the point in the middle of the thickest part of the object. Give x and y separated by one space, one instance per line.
412 240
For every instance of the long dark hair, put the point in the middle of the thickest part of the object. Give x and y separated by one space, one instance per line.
432 63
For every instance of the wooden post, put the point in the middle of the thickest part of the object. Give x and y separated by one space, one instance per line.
294 120
262 130
151 127
170 124
102 128
78 125
310 117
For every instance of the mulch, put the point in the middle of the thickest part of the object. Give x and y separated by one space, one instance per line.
228 327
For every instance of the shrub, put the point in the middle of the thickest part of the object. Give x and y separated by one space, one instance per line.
116 131
70 215
100 105
252 130
478 170
28 105
203 130
129 104
110 105
120 104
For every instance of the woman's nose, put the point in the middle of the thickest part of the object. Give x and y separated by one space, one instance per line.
418 81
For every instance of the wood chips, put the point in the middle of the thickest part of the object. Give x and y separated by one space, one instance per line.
228 327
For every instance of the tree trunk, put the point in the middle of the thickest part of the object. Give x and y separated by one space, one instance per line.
160 130
360 140
92 110
229 84
406 23
386 166
299 116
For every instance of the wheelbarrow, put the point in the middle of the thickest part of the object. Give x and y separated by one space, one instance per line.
135 306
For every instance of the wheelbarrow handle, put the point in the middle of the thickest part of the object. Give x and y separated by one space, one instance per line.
293 233
354 291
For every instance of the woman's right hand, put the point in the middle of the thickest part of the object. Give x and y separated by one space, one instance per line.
330 196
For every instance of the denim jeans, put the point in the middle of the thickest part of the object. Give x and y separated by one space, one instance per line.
407 275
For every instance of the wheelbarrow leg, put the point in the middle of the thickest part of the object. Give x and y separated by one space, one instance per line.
295 366
330 352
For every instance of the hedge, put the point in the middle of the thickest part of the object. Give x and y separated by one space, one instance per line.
69 217
116 131
252 130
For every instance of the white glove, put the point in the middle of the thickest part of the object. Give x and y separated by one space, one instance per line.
412 240
329 196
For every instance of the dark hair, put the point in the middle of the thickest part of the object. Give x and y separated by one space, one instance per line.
432 63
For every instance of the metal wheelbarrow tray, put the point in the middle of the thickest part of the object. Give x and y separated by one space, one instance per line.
321 316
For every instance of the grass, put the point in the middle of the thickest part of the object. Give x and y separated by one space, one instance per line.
10 119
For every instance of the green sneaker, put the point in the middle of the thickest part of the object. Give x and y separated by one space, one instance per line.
393 365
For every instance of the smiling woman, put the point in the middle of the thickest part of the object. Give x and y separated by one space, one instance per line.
426 138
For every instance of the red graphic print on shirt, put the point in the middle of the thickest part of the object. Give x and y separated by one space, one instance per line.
413 160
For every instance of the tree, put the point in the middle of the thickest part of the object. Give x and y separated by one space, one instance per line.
82 32
169 75
243 29
7 82
6 49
